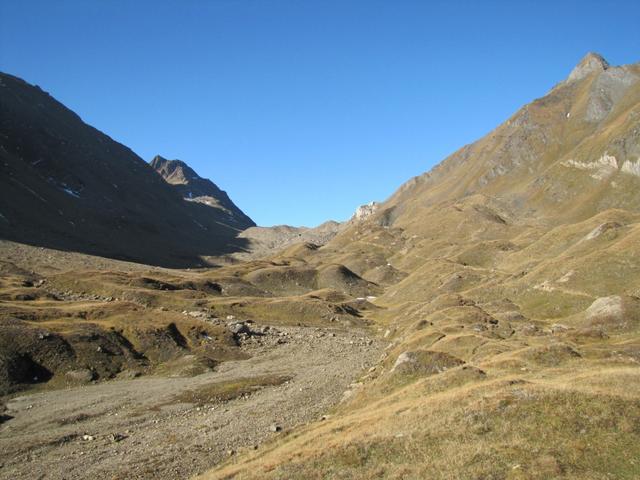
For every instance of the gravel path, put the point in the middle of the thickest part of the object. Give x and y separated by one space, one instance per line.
148 427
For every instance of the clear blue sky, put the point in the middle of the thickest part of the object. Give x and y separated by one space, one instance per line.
301 109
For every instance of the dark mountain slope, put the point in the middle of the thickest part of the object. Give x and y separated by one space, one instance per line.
193 187
66 185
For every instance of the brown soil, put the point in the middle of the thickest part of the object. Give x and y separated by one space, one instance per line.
173 427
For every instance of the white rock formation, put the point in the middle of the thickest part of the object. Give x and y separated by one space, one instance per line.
602 168
364 211
606 307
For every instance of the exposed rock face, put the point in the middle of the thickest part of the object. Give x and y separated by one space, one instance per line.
592 62
194 188
65 185
364 211
631 167
606 307
614 312
267 240
578 141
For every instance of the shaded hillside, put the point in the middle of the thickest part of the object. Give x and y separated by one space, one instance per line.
67 186
194 188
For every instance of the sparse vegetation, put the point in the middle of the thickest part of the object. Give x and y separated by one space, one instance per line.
503 284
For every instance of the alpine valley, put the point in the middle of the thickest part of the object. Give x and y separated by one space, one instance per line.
481 323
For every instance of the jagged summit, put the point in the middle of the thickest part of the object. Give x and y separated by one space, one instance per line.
174 171
193 187
590 63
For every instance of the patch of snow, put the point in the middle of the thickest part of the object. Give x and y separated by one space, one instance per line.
71 192
4 218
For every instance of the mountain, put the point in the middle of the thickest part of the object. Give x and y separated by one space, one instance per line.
560 160
194 188
482 323
510 302
564 156
68 186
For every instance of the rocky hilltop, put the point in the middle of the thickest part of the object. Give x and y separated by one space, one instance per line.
194 188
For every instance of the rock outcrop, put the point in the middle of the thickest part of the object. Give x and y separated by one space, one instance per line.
194 188
364 211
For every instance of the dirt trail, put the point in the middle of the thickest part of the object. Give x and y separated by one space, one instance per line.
161 428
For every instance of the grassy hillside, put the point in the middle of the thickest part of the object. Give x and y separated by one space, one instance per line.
511 306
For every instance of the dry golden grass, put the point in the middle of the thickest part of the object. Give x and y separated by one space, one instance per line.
497 271
484 271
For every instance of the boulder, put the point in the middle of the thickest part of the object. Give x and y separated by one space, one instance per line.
239 327
82 375
614 313
424 362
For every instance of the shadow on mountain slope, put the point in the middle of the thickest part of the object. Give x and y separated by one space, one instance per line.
67 186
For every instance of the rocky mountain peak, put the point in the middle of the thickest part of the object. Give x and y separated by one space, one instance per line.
590 63
192 187
364 211
175 172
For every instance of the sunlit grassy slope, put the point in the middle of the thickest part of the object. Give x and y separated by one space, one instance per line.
510 277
